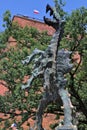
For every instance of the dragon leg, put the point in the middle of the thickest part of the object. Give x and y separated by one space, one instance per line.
42 106
67 107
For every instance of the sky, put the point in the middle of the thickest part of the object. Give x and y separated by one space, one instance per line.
26 7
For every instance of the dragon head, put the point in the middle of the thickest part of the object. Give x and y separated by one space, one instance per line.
55 22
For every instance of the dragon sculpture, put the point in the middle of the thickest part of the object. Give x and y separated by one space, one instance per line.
52 64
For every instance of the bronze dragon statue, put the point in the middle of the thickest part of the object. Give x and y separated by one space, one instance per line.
53 64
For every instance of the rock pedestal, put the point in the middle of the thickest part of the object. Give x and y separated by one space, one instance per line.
66 128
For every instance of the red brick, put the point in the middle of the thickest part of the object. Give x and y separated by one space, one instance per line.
30 22
3 89
22 22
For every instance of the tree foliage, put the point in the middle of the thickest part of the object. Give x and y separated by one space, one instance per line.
75 39
13 71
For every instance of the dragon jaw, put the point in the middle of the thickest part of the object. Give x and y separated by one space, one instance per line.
55 22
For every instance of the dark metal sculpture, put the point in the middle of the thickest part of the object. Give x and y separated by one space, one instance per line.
53 64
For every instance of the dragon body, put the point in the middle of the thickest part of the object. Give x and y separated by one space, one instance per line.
53 64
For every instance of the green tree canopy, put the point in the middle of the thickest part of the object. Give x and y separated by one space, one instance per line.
13 71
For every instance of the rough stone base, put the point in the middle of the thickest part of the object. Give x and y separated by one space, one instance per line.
66 128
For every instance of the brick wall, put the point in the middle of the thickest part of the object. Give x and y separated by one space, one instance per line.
31 22
3 87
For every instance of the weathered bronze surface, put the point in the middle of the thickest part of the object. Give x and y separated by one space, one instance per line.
53 64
